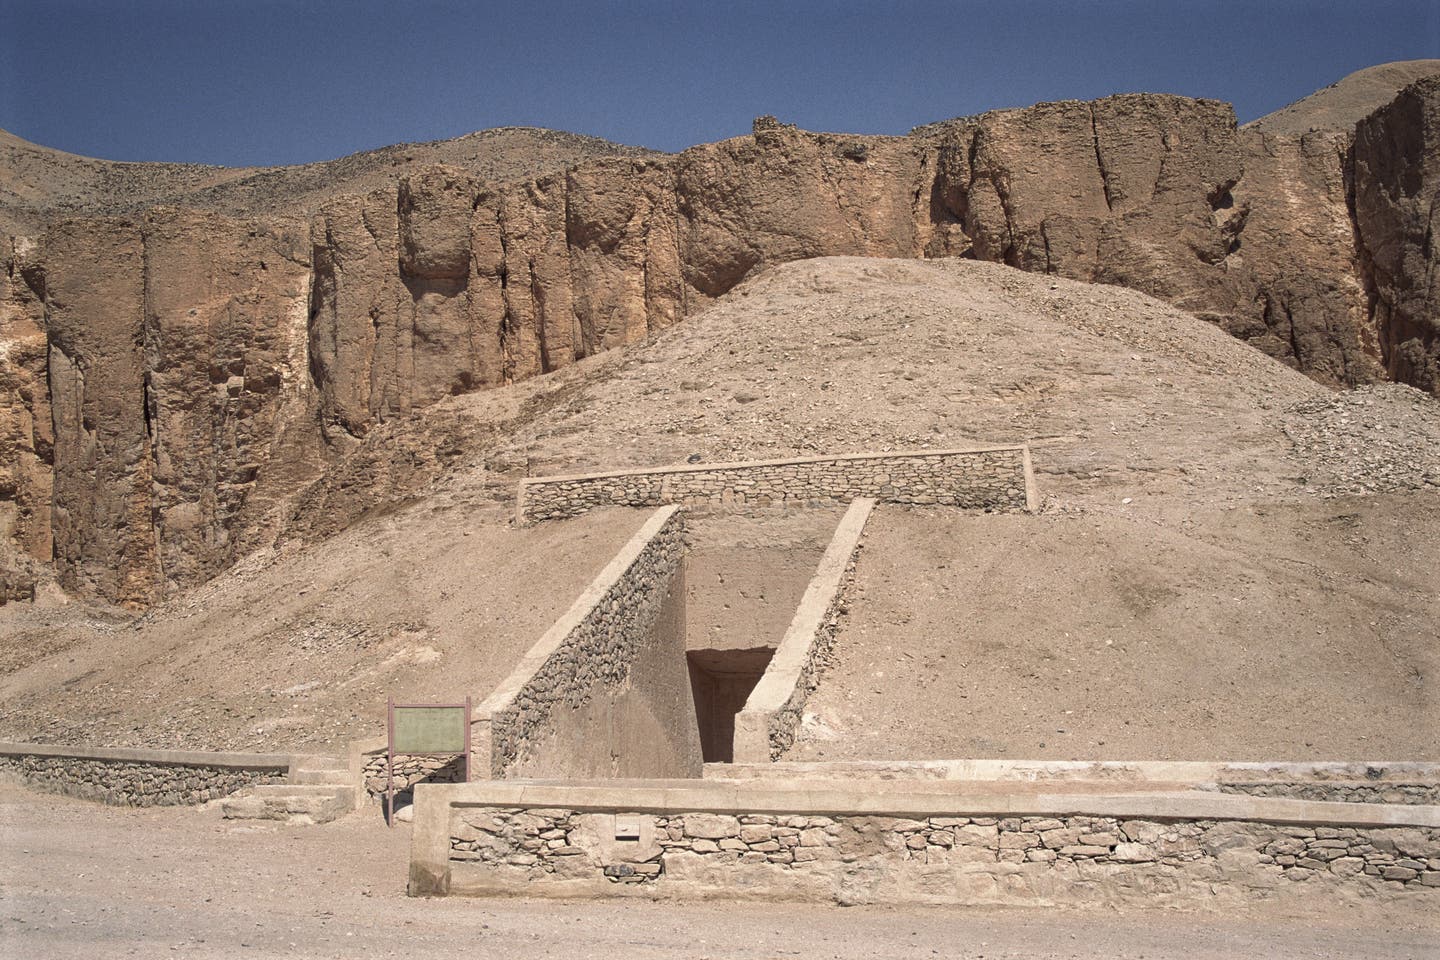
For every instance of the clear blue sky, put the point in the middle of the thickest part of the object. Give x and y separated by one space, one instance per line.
288 81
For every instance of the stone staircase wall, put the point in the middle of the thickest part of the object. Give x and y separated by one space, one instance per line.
139 778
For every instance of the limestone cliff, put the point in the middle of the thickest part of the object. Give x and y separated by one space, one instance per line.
1397 214
170 381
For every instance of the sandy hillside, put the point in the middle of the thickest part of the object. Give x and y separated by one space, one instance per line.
1299 631
1234 467
1346 101
303 648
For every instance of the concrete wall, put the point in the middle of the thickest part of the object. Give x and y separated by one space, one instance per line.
1207 774
987 477
605 693
136 777
766 727
888 843
744 597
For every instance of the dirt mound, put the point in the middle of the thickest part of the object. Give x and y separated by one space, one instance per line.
1347 101
299 648
1147 424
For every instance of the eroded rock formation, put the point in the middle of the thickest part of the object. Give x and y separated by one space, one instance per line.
1397 213
169 382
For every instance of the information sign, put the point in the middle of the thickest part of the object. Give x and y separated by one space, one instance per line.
424 730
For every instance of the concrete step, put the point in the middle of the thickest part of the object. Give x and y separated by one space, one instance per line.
291 803
301 775
312 762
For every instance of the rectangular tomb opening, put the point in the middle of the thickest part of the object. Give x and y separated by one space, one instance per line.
721 681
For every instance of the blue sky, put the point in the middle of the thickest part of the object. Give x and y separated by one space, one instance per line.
268 82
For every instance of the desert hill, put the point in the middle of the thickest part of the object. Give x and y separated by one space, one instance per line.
1180 473
1347 101
38 183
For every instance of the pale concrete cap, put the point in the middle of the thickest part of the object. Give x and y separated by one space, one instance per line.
1118 772
180 758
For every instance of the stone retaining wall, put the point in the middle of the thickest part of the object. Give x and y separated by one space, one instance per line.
988 478
765 727
599 654
889 842
139 778
1024 854
411 770
1416 793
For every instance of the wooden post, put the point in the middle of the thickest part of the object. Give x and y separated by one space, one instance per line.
390 761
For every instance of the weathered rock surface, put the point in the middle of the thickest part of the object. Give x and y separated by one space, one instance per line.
171 382
27 436
1397 214
171 365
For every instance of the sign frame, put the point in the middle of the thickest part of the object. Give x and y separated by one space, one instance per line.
390 707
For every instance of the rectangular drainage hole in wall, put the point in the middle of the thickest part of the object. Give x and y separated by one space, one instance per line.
721 682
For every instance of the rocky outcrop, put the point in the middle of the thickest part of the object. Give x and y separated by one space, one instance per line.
1397 213
173 364
170 384
27 438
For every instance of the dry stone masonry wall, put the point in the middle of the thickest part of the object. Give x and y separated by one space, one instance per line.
598 650
785 721
1343 792
135 784
996 478
766 727
941 858
410 770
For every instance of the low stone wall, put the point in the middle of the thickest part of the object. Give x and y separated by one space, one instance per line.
766 844
601 695
1416 793
411 770
984 477
1205 774
766 727
139 778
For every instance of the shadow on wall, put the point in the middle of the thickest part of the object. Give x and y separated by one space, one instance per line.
720 683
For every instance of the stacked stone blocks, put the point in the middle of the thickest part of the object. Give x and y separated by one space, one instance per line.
595 653
992 478
543 843
136 784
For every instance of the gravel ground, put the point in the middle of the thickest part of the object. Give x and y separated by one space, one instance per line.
1369 440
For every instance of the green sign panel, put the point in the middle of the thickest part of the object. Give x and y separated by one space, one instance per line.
429 730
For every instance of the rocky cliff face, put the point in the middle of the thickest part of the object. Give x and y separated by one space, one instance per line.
168 383
1397 214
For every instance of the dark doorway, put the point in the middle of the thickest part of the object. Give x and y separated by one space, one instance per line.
721 681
